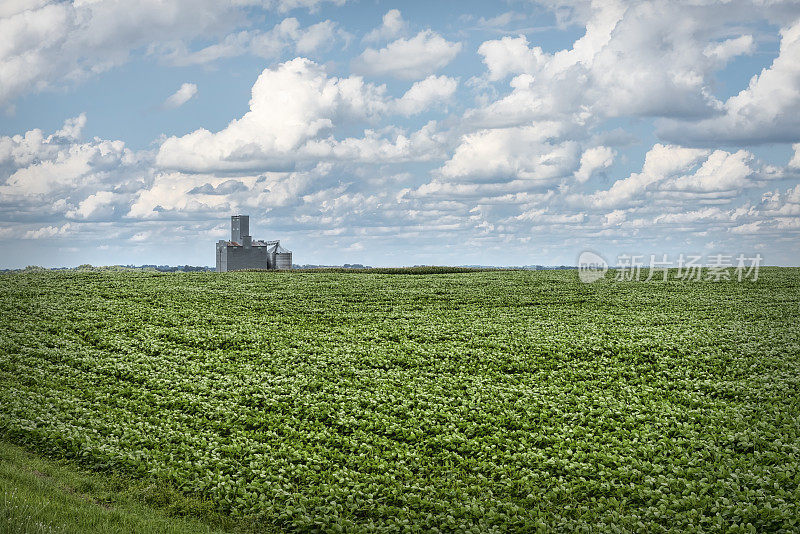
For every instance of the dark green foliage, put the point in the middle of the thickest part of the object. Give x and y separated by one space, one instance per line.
482 401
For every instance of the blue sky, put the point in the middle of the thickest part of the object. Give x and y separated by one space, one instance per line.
493 133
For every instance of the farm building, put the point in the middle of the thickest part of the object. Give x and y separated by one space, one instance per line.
242 252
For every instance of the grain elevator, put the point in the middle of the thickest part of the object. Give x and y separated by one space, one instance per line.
242 252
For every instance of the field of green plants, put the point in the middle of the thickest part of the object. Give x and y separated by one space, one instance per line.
455 402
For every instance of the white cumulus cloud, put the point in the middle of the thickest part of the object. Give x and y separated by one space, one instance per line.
58 175
795 161
596 158
681 174
413 58
47 232
286 36
649 58
730 48
421 95
290 105
392 26
186 92
530 153
766 111
510 55
48 44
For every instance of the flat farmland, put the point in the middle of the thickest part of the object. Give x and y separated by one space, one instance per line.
458 402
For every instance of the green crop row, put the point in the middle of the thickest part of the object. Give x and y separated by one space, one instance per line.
455 402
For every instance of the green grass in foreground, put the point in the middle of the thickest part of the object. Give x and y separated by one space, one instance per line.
39 495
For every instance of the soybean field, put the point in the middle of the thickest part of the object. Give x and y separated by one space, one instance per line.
500 401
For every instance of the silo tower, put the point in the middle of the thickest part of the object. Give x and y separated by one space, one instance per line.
240 227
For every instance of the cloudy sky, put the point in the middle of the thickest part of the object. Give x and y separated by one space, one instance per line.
399 133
